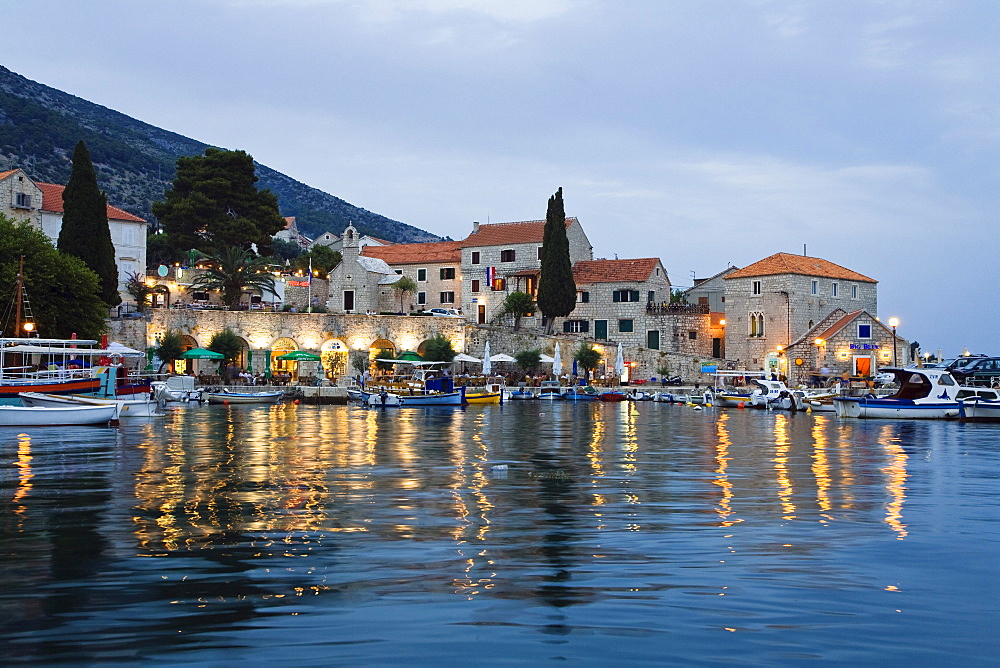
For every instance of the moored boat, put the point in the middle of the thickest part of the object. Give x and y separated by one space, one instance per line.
978 404
550 389
586 393
49 416
126 408
924 393
225 396
611 396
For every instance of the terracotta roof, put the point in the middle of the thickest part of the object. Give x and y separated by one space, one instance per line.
610 271
787 263
497 234
4 175
52 201
427 253
843 322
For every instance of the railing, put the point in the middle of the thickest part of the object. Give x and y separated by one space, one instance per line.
653 308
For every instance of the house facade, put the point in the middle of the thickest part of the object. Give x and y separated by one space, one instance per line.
710 292
20 197
501 258
436 268
773 302
360 284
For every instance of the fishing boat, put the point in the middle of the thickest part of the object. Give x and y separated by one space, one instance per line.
127 408
611 396
226 396
48 416
924 393
20 358
491 393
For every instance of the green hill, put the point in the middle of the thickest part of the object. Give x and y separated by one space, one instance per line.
135 161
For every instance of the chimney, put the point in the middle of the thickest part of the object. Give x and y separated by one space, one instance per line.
475 226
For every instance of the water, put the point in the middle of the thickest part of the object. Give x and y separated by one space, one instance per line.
314 535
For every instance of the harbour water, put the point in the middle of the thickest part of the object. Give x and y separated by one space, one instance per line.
582 534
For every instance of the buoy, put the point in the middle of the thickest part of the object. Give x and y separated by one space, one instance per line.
225 402
697 408
740 405
296 402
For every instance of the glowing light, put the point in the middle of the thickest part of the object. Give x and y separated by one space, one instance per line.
723 322
819 342
894 322
28 326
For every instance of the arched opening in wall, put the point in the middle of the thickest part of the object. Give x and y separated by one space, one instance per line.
243 358
282 369
187 366
333 357
382 349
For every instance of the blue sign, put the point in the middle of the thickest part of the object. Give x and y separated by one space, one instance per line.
864 346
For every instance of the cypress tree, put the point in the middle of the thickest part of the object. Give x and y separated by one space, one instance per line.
556 287
85 232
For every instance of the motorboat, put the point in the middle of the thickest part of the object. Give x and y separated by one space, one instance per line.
227 396
774 394
49 416
384 399
924 393
640 395
611 396
521 393
126 408
978 404
176 388
550 389
578 393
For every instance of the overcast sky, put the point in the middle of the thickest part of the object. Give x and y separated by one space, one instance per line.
702 132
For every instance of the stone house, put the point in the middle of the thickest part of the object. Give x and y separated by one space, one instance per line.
336 243
360 284
856 344
291 234
41 204
501 258
773 302
436 268
710 292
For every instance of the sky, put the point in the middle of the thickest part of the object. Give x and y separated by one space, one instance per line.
707 133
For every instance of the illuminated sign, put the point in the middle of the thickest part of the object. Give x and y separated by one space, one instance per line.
864 346
299 284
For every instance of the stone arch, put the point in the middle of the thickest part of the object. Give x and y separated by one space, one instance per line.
243 358
280 347
333 357
184 366
381 348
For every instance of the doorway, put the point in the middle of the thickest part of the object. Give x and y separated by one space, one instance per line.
482 314
863 366
349 300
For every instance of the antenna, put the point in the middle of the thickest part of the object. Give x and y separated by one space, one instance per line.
804 250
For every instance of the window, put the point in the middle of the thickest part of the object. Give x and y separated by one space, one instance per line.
702 301
421 275
693 335
539 252
864 330
653 339
475 257
128 235
756 287
833 290
22 200
625 296
756 324
507 255
582 297
447 297
475 285
650 296
854 292
399 272
576 326
499 284
421 297
760 325
447 273
626 326
814 287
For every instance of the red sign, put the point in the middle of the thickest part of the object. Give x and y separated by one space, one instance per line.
299 284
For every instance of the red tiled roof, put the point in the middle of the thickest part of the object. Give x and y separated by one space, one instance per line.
497 234
4 175
426 253
787 263
610 271
52 201
843 322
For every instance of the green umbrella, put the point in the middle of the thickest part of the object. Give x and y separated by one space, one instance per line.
410 356
202 354
299 356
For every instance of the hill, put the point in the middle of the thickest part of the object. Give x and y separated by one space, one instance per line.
135 161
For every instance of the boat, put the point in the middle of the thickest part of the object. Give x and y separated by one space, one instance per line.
611 396
585 393
58 356
492 393
550 389
126 408
521 393
924 393
640 395
383 399
775 395
978 404
49 416
176 388
225 396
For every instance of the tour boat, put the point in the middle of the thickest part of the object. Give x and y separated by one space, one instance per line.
58 378
924 393
144 407
226 396
47 416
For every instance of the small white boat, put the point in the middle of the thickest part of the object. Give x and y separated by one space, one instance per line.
48 416
230 397
775 395
925 393
550 389
144 407
978 404
176 388
384 400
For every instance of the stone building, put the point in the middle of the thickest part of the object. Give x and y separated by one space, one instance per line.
436 268
500 258
41 204
710 292
336 243
361 284
773 302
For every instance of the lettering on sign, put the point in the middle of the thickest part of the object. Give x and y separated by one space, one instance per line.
299 284
864 346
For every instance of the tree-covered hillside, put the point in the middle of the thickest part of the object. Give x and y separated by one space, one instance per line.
135 162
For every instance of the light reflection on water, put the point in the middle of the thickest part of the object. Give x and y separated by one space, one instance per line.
643 533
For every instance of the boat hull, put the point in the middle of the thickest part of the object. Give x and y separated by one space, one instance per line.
243 397
126 407
10 389
579 396
898 409
47 416
611 397
411 400
483 398
976 410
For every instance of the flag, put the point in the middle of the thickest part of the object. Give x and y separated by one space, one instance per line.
310 271
489 276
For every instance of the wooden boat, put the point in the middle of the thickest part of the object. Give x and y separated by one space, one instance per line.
611 396
230 397
925 393
127 408
484 397
580 394
550 389
47 416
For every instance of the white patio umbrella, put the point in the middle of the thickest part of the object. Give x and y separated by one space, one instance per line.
546 359
462 357
557 362
501 357
620 362
487 363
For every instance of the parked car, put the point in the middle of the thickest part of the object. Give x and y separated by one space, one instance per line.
978 371
446 312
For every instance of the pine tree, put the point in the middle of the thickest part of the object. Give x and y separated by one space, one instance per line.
85 232
556 287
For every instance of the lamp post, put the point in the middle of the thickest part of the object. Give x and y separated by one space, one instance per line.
894 323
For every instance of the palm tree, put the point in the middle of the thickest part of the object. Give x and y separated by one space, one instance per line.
404 286
232 271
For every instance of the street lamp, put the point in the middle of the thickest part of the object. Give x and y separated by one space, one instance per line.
894 323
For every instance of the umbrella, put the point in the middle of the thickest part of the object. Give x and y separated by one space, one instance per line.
462 357
619 362
500 357
299 356
546 359
410 356
202 354
557 362
487 366
115 348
